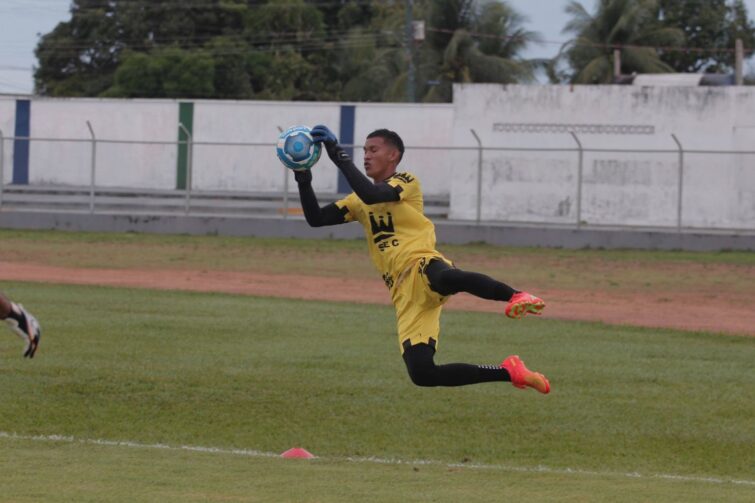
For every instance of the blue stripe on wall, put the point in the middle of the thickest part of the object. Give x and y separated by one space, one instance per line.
346 135
21 146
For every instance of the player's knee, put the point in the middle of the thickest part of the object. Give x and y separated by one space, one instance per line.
420 365
423 375
424 379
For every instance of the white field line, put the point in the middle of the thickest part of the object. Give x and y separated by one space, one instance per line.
382 461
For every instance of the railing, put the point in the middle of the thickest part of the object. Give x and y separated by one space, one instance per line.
102 197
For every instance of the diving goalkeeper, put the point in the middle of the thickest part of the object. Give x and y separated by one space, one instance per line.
401 241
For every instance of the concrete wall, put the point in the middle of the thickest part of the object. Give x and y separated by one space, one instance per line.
117 164
257 168
7 126
429 126
618 187
252 168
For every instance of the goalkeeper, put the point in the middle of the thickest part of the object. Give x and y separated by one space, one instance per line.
401 242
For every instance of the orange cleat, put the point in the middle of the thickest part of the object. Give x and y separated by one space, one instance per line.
523 303
521 376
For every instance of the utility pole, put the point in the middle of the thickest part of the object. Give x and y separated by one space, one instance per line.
410 85
739 56
616 65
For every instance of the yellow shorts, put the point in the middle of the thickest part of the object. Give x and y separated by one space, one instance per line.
417 306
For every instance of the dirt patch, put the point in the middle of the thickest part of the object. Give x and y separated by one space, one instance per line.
687 310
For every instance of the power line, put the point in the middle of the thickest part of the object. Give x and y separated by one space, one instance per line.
15 68
13 86
582 42
294 39
181 5
336 39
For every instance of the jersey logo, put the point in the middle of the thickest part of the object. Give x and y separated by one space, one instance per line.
404 177
381 229
388 280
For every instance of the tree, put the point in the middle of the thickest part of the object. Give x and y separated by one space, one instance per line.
278 49
79 57
479 42
631 26
372 56
164 73
710 28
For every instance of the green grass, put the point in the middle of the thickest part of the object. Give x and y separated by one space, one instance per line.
235 372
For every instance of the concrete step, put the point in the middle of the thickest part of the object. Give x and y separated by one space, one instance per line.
158 201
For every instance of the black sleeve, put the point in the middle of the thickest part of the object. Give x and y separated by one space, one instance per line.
368 192
316 216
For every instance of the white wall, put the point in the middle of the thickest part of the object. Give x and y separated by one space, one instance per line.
618 187
428 126
121 165
532 185
8 128
253 168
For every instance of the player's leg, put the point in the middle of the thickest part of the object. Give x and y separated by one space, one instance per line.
22 323
423 371
5 307
448 280
418 310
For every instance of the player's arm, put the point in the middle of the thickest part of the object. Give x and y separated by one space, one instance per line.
315 215
368 192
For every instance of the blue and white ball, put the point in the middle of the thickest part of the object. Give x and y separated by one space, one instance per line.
296 150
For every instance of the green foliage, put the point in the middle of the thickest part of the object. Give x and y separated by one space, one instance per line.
279 49
708 25
79 57
478 42
164 73
630 25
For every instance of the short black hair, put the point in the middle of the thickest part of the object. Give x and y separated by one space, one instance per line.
390 137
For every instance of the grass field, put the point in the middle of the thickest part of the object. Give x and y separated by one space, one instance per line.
126 378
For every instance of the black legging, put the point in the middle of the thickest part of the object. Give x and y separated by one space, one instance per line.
424 372
448 280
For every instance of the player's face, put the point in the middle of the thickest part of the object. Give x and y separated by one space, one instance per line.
380 158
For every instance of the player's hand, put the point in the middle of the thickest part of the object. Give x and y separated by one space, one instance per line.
321 134
303 175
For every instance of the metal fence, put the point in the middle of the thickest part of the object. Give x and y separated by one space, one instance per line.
99 198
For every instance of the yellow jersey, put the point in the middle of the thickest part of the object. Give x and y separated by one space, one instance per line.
398 233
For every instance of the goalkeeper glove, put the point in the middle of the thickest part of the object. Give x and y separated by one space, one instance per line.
321 134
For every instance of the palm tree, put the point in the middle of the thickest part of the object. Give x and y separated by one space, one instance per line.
467 41
631 26
475 41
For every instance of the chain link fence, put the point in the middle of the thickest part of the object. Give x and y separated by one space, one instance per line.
678 187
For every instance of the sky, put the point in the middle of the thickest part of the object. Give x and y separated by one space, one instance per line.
23 21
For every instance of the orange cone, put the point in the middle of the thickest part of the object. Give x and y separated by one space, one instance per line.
297 453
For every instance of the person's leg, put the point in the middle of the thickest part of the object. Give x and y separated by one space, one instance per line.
22 323
5 307
423 371
418 310
447 280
